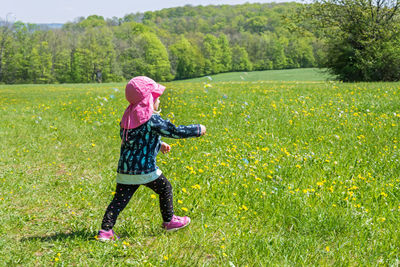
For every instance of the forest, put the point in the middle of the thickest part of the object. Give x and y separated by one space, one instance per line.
169 44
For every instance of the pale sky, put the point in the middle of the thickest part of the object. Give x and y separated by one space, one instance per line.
61 11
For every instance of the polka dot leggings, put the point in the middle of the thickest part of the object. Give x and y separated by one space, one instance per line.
124 192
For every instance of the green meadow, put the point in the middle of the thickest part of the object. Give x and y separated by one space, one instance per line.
289 173
305 74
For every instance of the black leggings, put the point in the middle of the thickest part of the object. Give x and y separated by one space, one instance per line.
124 192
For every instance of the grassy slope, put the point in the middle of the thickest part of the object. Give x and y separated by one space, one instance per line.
305 74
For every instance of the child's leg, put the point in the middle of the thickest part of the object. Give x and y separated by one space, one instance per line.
164 189
123 194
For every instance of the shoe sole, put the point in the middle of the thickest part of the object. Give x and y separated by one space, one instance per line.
106 239
176 229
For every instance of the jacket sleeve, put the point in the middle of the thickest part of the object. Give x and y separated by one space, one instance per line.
167 129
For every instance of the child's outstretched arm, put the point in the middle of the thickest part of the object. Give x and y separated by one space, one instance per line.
167 129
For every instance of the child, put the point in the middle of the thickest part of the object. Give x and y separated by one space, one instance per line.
141 131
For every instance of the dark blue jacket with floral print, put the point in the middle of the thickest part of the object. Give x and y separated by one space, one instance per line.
141 145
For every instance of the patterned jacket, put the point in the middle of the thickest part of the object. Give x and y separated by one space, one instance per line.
141 145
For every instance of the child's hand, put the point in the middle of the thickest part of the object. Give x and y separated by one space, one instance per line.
203 130
165 148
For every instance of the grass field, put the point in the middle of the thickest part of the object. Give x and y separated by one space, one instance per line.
288 174
305 74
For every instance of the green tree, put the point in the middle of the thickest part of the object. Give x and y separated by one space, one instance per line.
363 37
5 42
266 51
276 53
60 43
97 46
256 47
156 59
93 21
240 59
9 59
256 24
81 66
16 58
299 53
185 60
146 56
226 53
40 63
212 55
128 31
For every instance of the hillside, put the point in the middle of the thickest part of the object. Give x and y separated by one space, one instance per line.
293 75
169 44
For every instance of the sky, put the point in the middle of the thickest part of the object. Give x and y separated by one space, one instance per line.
61 11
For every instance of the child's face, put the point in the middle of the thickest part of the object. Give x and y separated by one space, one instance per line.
157 104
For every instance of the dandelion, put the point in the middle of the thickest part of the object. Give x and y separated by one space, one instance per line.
327 249
184 209
153 196
165 258
196 186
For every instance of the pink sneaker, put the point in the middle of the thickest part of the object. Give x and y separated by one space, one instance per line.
176 223
107 235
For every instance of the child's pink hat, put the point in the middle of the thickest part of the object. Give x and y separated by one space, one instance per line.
141 92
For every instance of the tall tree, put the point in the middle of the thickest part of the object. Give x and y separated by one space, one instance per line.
40 63
60 46
5 39
146 55
186 60
363 37
212 55
17 58
156 59
226 53
299 53
240 59
97 45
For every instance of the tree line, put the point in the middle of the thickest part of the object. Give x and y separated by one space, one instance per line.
356 40
174 43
